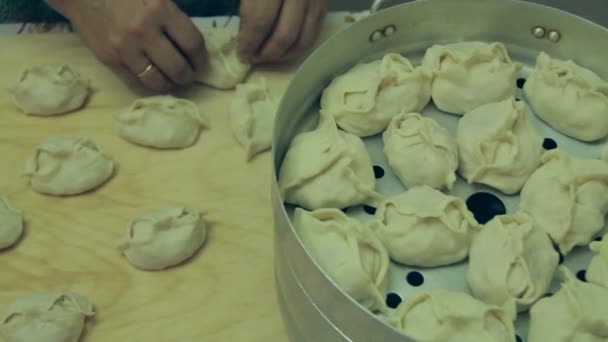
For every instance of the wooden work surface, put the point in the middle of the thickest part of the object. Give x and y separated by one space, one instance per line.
225 293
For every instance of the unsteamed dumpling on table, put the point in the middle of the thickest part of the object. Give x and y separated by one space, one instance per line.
164 238
50 89
597 272
577 312
511 259
499 146
569 98
164 122
470 74
252 113
567 198
365 99
420 151
442 316
348 252
45 317
11 224
224 69
327 168
68 166
425 227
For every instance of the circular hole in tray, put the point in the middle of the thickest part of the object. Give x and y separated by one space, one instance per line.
378 171
393 300
518 338
520 83
369 210
549 144
485 206
599 238
582 275
415 278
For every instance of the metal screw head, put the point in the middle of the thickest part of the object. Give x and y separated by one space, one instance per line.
376 36
554 36
538 32
390 29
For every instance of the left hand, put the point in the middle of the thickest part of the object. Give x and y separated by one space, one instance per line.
278 30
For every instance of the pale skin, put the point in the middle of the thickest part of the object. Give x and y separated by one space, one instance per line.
130 35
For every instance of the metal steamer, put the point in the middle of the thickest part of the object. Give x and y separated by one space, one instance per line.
313 307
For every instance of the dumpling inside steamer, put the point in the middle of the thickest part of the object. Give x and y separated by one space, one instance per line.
569 98
51 89
511 259
420 151
440 316
348 252
567 198
365 99
11 224
161 121
499 146
470 74
424 227
327 168
577 312
45 317
597 273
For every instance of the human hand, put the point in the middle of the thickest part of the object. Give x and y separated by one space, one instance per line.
149 40
277 30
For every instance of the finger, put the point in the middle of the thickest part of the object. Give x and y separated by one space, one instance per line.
187 38
310 31
152 78
169 60
256 25
286 31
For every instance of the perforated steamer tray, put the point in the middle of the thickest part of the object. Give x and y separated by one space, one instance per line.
314 309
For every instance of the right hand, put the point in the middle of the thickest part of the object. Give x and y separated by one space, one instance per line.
130 35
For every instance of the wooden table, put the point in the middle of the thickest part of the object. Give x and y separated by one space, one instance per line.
225 293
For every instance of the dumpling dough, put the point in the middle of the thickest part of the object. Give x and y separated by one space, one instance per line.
164 238
499 146
511 259
161 122
424 227
45 317
441 316
577 312
50 90
11 224
252 114
420 151
68 166
224 69
349 253
567 198
597 273
470 74
366 98
571 99
327 168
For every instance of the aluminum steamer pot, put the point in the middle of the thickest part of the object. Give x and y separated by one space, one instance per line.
313 307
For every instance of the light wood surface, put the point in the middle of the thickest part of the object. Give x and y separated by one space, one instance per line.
225 293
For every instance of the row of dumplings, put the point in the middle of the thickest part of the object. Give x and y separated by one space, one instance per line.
63 166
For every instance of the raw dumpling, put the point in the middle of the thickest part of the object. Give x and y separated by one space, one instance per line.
511 259
11 224
499 146
567 198
571 99
442 316
45 317
327 168
577 312
420 151
224 69
164 238
161 122
470 74
424 227
349 253
597 273
50 90
68 166
252 114
365 99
